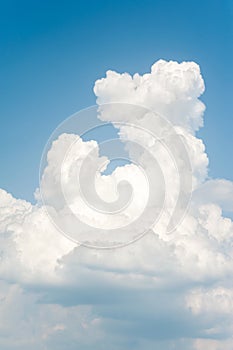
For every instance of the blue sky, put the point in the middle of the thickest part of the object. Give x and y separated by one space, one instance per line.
53 51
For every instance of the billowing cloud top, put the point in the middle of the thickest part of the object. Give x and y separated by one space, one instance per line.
171 89
163 291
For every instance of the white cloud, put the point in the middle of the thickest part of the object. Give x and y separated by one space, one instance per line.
202 344
164 291
170 89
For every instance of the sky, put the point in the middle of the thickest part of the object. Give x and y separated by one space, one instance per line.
53 52
136 254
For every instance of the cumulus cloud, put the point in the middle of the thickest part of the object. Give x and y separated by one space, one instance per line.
162 291
171 89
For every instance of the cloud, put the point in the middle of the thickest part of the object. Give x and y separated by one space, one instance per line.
171 89
163 291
